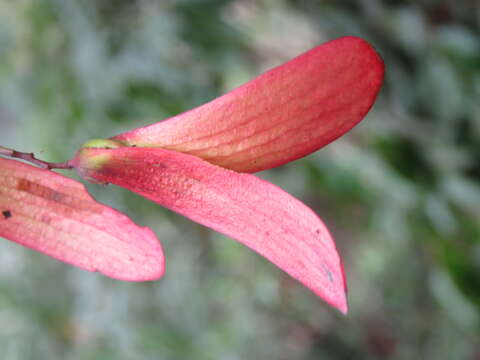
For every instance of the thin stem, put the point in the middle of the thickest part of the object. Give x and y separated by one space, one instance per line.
29 157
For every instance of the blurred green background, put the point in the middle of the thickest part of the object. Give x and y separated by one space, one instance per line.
400 193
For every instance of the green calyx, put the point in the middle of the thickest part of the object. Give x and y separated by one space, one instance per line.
102 144
93 155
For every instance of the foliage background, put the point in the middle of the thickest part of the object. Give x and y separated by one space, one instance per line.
401 193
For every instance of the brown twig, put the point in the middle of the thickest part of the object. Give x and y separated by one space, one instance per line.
29 157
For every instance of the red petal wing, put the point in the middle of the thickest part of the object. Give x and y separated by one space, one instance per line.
250 210
55 215
282 115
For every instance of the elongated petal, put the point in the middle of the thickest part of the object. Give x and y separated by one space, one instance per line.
250 210
282 115
55 215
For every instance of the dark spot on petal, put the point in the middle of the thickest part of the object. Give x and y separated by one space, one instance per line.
46 219
7 214
328 273
321 235
161 166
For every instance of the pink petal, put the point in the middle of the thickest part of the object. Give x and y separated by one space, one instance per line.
282 115
55 215
250 210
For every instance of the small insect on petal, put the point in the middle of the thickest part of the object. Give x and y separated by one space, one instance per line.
55 215
250 210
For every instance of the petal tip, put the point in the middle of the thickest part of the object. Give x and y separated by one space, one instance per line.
344 309
147 264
